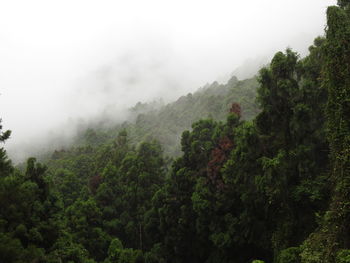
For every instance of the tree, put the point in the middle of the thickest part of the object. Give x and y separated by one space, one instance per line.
5 164
343 3
333 234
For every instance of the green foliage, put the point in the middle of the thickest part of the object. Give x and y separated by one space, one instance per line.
235 193
30 215
343 3
343 256
332 235
165 123
118 254
4 135
267 181
5 164
289 255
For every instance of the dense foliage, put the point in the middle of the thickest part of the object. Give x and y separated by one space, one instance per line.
165 123
267 184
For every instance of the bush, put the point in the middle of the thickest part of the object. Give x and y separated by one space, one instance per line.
289 255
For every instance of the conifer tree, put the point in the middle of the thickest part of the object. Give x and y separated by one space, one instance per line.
326 244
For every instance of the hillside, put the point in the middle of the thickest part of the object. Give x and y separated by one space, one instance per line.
165 123
263 174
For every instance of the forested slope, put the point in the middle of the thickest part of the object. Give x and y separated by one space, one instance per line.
267 185
165 123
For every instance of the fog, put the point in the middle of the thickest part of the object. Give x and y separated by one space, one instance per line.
63 63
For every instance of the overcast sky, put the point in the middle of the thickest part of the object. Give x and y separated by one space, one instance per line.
63 59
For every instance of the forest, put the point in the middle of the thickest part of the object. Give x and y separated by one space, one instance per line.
251 171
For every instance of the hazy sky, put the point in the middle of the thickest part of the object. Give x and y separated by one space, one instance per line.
72 59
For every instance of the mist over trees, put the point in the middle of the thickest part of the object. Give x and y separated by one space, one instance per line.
260 173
